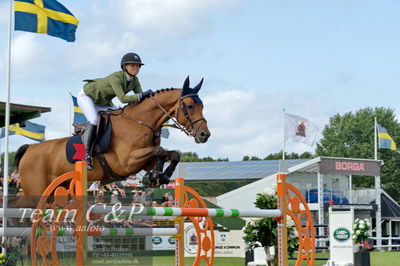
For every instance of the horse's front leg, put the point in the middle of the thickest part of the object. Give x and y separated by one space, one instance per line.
157 177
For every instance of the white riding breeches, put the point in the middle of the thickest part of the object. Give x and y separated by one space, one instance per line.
89 108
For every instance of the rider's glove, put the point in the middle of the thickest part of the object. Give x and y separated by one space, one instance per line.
144 94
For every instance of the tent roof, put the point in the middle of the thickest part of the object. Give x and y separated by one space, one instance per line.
237 170
390 208
20 112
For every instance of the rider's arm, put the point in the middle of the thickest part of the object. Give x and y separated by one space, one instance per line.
119 91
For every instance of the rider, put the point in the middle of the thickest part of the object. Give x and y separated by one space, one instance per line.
97 95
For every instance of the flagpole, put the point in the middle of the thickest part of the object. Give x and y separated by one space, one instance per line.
375 140
70 115
7 116
283 145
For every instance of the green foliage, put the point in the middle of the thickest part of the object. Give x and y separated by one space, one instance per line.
216 188
289 156
193 157
11 159
264 230
278 156
351 135
361 230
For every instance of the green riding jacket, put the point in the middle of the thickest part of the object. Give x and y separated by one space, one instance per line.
103 90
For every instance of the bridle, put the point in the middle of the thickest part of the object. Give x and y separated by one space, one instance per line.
190 131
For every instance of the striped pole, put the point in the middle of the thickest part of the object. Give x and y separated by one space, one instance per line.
26 231
130 212
205 212
180 223
81 197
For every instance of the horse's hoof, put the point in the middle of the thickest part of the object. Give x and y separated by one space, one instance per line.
164 180
151 179
146 179
155 179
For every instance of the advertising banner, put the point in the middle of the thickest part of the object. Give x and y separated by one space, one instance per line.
227 243
163 243
349 167
341 237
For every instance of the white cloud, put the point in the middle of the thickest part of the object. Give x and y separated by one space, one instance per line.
168 17
24 53
249 123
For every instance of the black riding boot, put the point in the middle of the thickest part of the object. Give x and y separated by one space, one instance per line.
88 138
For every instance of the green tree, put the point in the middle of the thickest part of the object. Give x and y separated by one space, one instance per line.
289 156
193 157
351 135
11 160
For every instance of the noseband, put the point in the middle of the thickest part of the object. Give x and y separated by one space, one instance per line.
191 130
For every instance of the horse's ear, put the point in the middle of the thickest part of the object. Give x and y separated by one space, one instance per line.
185 88
198 86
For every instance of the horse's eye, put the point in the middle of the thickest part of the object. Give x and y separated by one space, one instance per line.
190 107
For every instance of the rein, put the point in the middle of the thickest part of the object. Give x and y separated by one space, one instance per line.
190 131
155 133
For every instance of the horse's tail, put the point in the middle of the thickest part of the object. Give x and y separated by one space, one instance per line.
20 152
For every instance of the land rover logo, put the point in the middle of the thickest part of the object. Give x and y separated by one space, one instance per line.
157 240
171 240
341 234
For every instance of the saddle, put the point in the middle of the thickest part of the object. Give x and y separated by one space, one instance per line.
100 146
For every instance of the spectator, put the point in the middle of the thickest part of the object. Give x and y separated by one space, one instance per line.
114 197
94 188
130 181
143 198
149 199
20 193
171 199
136 198
165 200
99 197
113 187
15 178
1 195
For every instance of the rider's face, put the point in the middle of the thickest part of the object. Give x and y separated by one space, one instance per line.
132 69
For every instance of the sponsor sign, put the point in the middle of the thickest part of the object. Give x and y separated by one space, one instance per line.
163 243
340 236
349 167
227 243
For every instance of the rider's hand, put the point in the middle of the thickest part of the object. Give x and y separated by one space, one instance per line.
144 94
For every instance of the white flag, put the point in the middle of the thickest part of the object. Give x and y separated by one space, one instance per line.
299 129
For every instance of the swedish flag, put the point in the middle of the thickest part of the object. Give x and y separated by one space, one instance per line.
45 16
385 140
79 117
27 129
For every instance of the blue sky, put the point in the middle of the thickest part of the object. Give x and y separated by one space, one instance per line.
315 58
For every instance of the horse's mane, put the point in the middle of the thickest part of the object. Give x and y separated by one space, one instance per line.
155 92
163 90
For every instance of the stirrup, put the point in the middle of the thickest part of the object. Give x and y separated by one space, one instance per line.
89 163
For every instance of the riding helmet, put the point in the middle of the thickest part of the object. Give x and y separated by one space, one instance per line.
131 58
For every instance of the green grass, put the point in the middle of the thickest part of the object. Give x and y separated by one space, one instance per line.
377 259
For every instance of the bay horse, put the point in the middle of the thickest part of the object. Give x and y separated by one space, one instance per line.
134 143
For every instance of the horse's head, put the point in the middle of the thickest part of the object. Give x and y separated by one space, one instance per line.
190 112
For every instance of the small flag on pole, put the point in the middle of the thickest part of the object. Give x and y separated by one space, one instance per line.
299 129
45 16
385 140
27 129
79 117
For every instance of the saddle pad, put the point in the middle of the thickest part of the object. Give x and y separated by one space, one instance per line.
75 149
